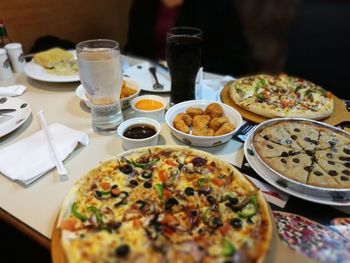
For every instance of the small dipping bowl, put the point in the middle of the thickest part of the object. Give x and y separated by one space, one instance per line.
150 106
137 124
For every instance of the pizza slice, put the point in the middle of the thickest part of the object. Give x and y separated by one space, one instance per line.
330 139
340 154
278 134
338 171
319 177
292 167
305 135
268 148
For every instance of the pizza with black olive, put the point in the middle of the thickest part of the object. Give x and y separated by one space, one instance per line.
282 96
165 204
306 152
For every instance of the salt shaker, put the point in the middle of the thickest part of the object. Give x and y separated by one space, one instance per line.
5 67
15 52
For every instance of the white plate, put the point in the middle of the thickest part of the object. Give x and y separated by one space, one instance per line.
141 74
266 174
35 71
11 121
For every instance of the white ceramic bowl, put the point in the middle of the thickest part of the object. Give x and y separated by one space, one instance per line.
153 114
129 143
202 141
125 102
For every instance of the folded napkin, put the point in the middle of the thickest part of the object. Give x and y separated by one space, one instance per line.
209 89
14 90
140 73
28 159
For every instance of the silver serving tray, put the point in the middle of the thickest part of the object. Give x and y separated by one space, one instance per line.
282 180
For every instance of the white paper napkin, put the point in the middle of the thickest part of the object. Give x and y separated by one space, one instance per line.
141 74
14 90
28 159
209 89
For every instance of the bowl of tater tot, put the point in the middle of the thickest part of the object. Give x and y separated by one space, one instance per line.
130 90
203 123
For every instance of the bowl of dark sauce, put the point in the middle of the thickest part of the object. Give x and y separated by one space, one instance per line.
139 132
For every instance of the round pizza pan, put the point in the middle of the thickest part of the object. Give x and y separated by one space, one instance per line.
338 193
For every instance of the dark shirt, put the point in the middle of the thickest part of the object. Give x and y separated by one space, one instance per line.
224 50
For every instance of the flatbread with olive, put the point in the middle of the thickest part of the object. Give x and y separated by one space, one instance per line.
164 204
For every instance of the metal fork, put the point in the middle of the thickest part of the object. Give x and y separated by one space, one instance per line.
157 85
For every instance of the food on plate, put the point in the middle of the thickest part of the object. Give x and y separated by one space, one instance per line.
194 111
306 152
214 110
281 96
165 204
148 105
126 90
217 122
140 131
182 122
57 61
208 122
227 127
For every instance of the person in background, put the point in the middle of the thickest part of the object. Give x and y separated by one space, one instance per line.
225 49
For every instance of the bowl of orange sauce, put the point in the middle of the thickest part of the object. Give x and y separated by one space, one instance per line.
150 106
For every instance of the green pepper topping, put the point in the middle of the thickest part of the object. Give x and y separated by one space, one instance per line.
159 189
254 201
202 181
260 97
97 214
76 213
142 165
248 211
205 214
228 249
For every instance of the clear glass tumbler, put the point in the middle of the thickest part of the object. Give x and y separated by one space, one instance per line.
100 70
183 56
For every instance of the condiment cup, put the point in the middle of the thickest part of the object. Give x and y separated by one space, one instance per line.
129 143
157 114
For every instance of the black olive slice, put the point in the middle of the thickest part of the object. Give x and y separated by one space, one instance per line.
296 160
284 154
147 185
294 137
318 173
332 173
126 169
269 146
344 178
297 130
283 160
331 162
346 172
346 150
122 250
215 222
189 191
236 223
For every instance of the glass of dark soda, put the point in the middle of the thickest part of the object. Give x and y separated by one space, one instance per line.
183 56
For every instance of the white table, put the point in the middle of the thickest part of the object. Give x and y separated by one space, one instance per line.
34 209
